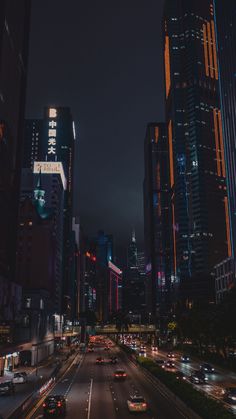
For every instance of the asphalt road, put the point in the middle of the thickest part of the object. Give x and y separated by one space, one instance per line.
216 382
92 393
9 403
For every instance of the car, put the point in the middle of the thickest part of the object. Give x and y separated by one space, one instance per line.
180 376
7 387
142 353
137 404
154 348
120 375
185 358
198 377
18 378
207 368
169 365
100 360
106 348
90 349
54 405
160 362
230 395
171 355
143 347
232 354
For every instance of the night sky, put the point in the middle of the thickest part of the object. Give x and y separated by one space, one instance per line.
103 59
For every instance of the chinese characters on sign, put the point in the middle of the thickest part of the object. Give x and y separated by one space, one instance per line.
52 132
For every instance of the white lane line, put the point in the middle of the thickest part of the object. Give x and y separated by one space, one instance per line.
90 398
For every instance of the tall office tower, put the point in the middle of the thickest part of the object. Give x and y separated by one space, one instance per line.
52 139
134 282
141 263
225 14
196 150
14 34
132 252
39 262
159 226
32 142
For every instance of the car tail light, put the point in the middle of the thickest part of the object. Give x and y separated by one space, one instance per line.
44 404
124 375
59 404
132 404
144 404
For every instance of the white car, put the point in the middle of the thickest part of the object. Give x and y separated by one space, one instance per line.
137 404
18 378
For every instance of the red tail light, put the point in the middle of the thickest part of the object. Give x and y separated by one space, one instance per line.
144 404
59 404
44 404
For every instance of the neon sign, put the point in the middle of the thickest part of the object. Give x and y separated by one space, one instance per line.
52 132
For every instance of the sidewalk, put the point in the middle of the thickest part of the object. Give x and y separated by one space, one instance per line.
36 378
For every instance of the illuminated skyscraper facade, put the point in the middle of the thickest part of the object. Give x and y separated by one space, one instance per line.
225 17
196 151
51 139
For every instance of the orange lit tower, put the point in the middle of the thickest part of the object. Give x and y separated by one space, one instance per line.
196 151
226 36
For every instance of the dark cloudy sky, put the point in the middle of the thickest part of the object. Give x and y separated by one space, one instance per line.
103 59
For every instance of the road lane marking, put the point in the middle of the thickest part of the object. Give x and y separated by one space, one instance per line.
41 400
90 398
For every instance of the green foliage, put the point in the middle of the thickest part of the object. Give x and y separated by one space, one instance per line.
204 406
212 324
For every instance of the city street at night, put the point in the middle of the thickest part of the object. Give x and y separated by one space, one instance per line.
117 209
92 392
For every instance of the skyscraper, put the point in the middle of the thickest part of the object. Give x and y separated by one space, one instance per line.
134 282
196 149
225 14
39 263
158 223
132 252
52 139
14 36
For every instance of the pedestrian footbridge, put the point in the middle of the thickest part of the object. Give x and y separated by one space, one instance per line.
133 329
